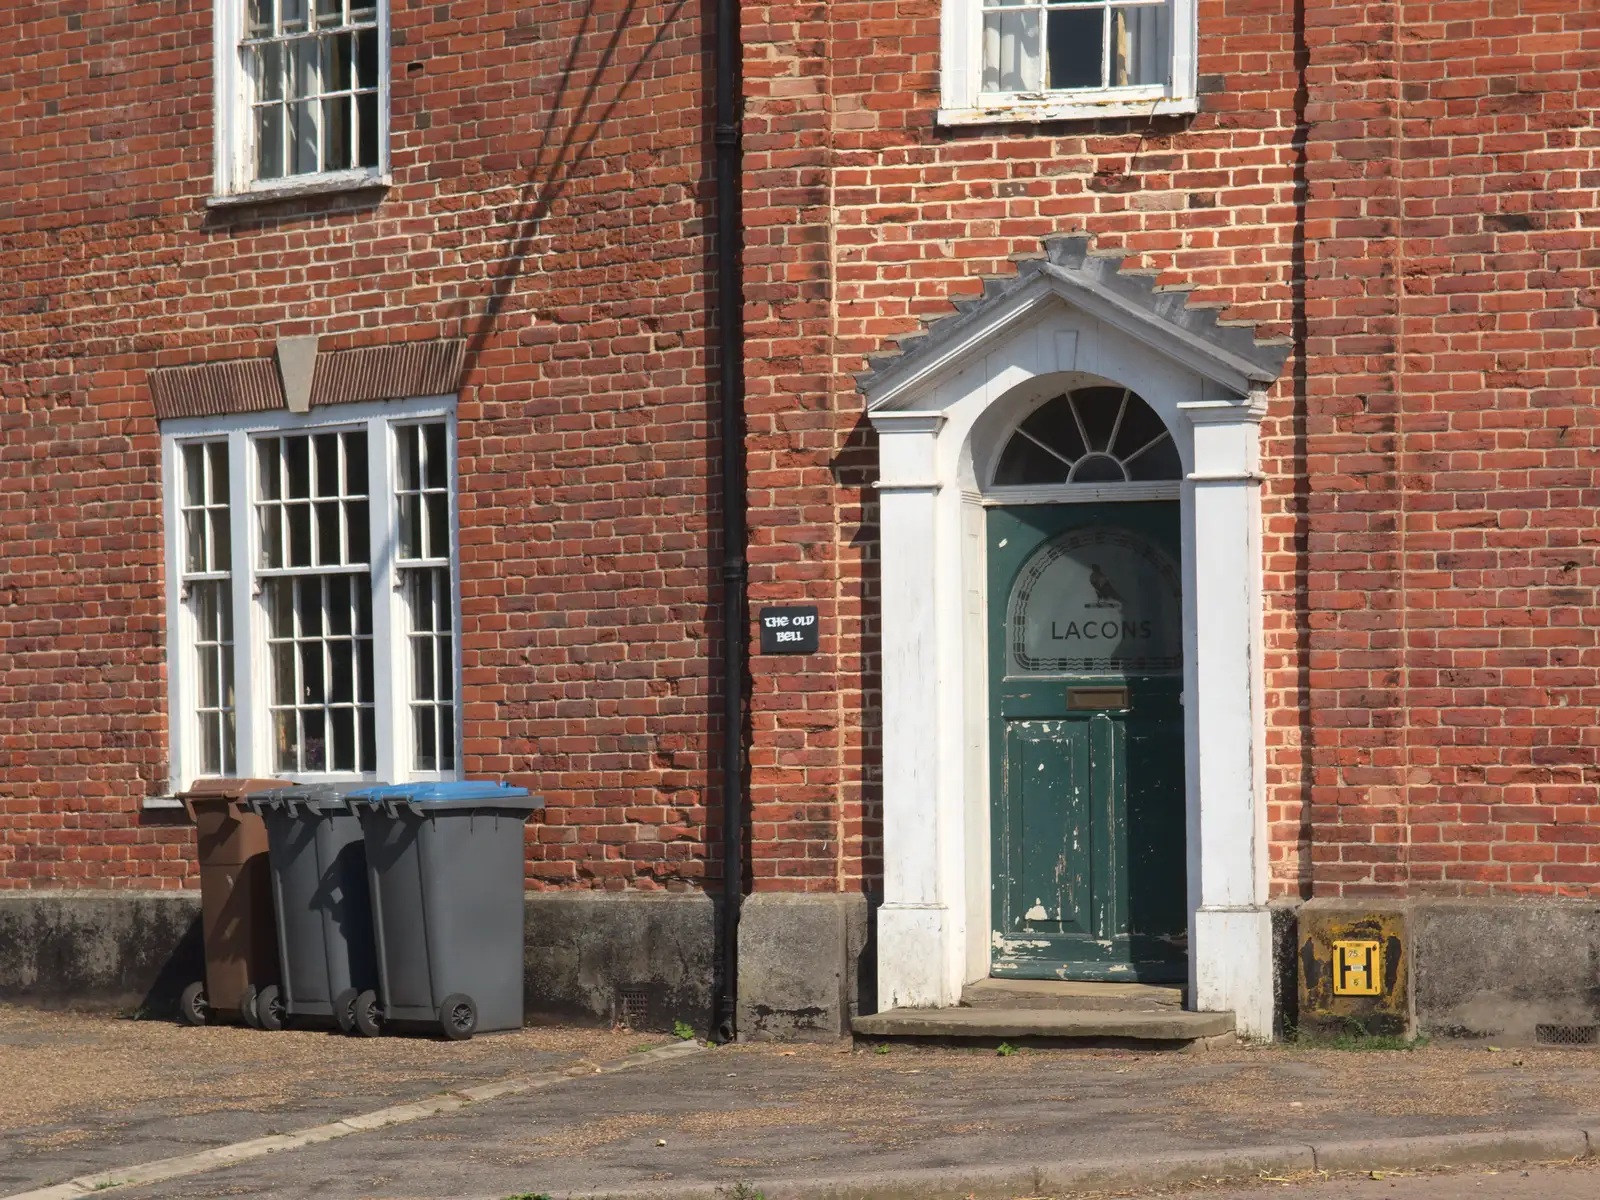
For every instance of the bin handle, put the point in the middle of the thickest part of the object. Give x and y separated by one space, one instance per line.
188 807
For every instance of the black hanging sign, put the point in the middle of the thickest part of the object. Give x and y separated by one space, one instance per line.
789 630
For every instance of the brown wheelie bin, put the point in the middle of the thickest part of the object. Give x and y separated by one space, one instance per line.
241 936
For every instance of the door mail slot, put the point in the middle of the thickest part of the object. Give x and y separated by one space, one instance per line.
1097 697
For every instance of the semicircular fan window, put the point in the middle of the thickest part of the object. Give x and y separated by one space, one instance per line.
1091 435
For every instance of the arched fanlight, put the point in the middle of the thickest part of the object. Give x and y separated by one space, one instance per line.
1091 435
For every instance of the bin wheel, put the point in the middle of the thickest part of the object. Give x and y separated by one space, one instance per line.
368 1014
270 1008
247 1006
458 1017
344 1010
192 1006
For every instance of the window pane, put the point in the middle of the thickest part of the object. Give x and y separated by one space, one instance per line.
207 614
327 447
217 452
342 731
283 689
337 52
211 743
357 531
407 452
364 671
438 526
410 526
366 55
280 612
427 755
328 533
297 453
194 540
293 15
299 534
339 605
363 608
285 729
313 724
367 129
1011 52
438 470
422 654
311 681
341 672
221 541
271 522
303 154
447 738
260 19
269 142
369 740
447 666
194 471
230 740
330 12
268 72
1140 45
309 595
336 134
267 480
362 12
1076 37
210 666
355 464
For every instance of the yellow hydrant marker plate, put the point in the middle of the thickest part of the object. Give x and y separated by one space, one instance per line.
1357 968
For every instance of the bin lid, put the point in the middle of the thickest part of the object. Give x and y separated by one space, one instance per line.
318 797
226 788
467 793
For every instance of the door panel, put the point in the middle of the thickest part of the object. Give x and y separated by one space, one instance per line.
1087 736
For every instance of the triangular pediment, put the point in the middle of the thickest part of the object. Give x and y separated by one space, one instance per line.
1070 272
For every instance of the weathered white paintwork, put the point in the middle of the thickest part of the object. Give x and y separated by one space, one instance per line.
941 429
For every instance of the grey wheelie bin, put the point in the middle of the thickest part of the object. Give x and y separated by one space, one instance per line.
446 864
321 900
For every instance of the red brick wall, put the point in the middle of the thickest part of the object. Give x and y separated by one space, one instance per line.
550 204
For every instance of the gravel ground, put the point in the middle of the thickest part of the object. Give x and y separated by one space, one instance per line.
87 1091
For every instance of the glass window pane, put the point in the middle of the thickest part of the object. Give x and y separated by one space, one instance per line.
210 673
366 55
427 756
299 534
422 668
336 134
446 668
407 456
339 605
1011 52
1141 45
315 752
420 593
330 12
267 481
210 743
1076 45
309 595
194 475
207 618
447 737
227 676
217 453
230 742
286 741
221 540
363 12
355 464
194 540
410 526
369 740
292 14
283 689
438 470
271 522
358 533
312 690
444 610
364 671
367 129
341 673
280 608
259 22
338 51
438 525
342 735
363 590
303 152
328 523
269 142
327 449
268 71
297 456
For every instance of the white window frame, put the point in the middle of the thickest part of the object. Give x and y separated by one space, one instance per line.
391 645
234 157
962 100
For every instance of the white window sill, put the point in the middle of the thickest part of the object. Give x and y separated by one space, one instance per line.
1013 110
296 186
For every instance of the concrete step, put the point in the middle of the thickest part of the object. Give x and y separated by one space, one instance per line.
1065 994
1172 1027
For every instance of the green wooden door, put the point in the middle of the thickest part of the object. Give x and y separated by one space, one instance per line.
1086 729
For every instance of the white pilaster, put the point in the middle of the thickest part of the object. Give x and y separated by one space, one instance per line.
914 923
1230 958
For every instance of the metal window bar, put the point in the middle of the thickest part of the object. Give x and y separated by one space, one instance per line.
422 502
313 67
1036 46
312 521
207 589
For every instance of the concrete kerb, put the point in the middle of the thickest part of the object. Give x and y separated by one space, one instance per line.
1242 1163
396 1114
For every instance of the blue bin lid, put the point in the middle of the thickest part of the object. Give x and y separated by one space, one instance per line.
466 793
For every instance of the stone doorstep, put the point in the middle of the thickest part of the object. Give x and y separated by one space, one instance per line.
1071 994
1173 1027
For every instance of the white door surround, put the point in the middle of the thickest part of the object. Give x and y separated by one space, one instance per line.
942 416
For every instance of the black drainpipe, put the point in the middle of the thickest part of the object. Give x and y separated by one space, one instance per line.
735 625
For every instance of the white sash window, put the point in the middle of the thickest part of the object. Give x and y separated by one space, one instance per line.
313 629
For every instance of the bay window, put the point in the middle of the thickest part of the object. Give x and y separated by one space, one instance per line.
313 629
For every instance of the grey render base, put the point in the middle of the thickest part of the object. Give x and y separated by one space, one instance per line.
1491 969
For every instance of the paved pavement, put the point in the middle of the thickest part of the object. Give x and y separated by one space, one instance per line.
748 1117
